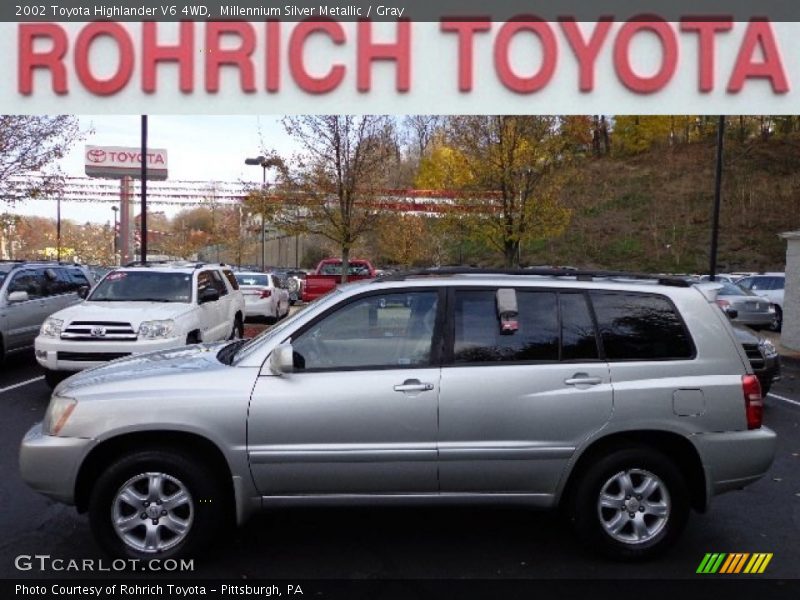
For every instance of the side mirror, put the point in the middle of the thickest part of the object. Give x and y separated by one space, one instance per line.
281 360
15 297
208 295
83 292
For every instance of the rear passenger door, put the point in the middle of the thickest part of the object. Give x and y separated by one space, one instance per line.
213 324
651 357
513 407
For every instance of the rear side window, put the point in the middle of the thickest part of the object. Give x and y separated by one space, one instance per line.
578 340
231 279
478 336
640 327
217 283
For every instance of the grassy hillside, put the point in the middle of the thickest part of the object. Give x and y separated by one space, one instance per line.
653 211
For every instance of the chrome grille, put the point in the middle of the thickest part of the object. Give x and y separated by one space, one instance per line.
98 331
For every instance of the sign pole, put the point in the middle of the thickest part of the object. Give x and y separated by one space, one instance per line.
143 253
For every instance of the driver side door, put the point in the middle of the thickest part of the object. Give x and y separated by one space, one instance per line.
359 414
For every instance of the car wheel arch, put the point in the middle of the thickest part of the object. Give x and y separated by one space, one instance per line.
673 445
113 448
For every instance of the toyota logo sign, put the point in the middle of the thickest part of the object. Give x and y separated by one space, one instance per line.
96 155
98 331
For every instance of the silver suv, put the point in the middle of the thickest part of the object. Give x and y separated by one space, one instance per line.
32 291
625 401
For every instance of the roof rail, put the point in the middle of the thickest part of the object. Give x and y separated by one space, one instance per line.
578 274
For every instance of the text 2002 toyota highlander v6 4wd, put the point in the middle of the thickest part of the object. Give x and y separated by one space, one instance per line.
624 401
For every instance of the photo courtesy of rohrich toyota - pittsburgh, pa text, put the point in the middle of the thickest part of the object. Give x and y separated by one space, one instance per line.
447 299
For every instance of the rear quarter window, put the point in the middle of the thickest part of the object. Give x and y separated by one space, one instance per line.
641 327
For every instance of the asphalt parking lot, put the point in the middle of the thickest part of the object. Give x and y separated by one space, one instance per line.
400 543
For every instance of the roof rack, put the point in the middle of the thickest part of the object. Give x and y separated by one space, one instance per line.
578 274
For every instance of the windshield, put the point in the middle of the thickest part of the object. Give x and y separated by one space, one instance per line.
252 279
336 269
277 330
143 286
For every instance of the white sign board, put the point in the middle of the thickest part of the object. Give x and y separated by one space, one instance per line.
116 162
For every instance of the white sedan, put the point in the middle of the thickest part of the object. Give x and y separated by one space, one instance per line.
263 297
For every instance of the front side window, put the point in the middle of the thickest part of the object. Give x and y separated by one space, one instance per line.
379 331
478 333
143 286
640 327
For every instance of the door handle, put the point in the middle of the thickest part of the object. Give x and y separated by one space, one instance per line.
413 385
583 379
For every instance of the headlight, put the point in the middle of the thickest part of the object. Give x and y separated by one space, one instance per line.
151 330
768 348
58 412
51 327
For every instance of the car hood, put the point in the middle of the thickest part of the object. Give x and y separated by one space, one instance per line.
151 365
745 335
128 312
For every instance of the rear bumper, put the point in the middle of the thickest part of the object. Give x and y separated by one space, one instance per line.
732 460
755 318
260 308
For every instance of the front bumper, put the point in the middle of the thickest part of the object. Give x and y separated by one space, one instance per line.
732 460
47 351
49 464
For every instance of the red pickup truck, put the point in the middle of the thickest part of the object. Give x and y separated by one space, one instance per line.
329 274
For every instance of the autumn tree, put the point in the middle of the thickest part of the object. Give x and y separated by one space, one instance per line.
32 145
334 186
403 239
506 174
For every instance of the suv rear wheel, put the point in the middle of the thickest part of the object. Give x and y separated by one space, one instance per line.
156 503
631 504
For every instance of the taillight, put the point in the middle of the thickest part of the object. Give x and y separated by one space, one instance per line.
723 304
753 402
266 293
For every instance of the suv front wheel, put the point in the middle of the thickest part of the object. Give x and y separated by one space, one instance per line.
156 503
631 504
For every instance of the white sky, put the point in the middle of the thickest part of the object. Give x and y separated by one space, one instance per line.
199 148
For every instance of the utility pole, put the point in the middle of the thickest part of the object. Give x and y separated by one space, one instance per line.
143 253
712 271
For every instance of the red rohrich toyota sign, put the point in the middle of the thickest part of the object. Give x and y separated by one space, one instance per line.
116 162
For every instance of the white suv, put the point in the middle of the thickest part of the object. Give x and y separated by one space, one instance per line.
141 309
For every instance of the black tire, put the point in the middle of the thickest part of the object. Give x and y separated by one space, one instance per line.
53 378
210 510
587 516
238 329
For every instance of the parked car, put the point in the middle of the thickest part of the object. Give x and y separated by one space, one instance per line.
746 307
626 402
763 356
770 286
721 277
29 293
263 297
292 280
141 309
329 273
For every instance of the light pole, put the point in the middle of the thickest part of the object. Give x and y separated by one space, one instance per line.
264 163
115 208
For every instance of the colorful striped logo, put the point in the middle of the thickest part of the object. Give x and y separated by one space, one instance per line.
734 563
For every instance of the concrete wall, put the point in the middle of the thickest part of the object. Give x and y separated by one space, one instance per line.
790 335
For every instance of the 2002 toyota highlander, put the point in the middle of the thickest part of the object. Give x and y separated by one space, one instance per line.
624 400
